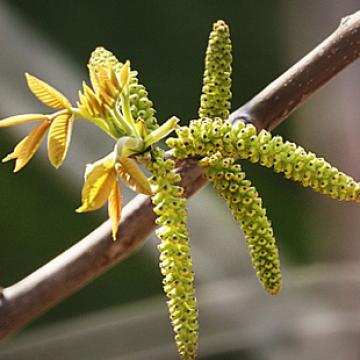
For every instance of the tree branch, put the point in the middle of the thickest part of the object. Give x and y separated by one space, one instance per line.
86 260
278 100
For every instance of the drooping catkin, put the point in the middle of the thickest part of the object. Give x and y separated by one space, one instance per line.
175 252
246 206
141 105
204 138
216 90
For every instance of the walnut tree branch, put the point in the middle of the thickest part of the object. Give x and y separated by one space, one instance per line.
86 260
278 100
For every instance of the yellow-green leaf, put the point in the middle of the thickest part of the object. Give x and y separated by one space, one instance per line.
27 147
94 79
107 90
19 119
46 93
132 176
114 207
59 138
140 125
124 74
98 184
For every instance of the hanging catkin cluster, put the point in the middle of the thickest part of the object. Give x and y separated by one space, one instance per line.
205 138
119 105
170 207
227 178
175 252
246 206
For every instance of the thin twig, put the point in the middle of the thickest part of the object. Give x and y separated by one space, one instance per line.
83 262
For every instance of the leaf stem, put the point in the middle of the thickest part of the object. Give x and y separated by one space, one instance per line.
96 121
125 102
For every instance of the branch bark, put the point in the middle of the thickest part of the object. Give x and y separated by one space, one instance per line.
89 258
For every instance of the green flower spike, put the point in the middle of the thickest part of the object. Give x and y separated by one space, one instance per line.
246 207
244 142
175 258
216 93
175 252
227 178
296 164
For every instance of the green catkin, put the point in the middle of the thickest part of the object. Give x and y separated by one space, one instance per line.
204 138
140 104
175 252
170 208
216 91
226 177
246 207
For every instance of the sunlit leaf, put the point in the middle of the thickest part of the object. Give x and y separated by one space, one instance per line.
141 128
46 93
94 79
27 147
114 207
140 105
108 86
105 69
132 176
59 138
98 184
124 74
19 119
102 77
102 58
90 103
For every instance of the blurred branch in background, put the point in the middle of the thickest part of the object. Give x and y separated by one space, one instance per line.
334 134
97 252
273 105
305 319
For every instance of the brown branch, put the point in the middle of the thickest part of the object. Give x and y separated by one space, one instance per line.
278 100
73 269
86 260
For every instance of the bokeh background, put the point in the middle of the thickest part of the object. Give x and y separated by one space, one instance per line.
123 314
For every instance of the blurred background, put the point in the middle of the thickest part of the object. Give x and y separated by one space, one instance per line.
123 314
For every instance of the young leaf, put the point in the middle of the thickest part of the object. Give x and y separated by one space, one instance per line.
132 176
90 104
19 119
27 147
98 185
162 131
141 106
94 79
59 138
140 125
46 93
114 207
128 145
125 73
